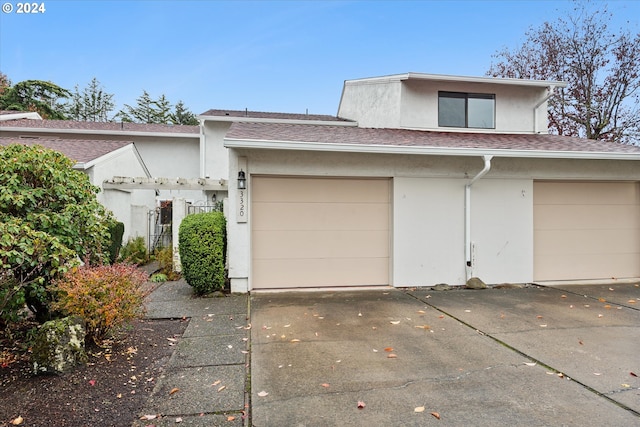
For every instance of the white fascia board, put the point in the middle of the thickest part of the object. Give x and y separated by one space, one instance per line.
459 79
97 132
272 120
430 151
16 116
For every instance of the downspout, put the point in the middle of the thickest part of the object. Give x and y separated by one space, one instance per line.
467 215
203 150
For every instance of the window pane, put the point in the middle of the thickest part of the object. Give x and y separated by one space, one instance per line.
481 112
451 111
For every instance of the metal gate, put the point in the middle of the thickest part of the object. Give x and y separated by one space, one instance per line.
159 226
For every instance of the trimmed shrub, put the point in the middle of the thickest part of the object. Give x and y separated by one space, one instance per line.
202 246
116 230
105 296
134 251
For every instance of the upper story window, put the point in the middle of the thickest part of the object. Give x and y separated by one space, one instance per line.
466 110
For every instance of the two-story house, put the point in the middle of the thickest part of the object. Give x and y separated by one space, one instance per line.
425 179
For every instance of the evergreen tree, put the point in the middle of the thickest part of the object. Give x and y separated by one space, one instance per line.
35 95
183 116
93 104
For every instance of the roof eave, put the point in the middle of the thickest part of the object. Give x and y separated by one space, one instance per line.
460 79
421 150
235 119
97 132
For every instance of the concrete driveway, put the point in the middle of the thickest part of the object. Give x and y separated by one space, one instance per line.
529 357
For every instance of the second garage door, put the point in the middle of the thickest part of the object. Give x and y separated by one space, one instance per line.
586 230
315 232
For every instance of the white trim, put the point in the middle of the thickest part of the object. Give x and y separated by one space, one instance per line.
425 150
19 129
458 79
235 119
17 116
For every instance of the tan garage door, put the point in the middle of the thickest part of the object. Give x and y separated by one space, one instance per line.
586 230
314 232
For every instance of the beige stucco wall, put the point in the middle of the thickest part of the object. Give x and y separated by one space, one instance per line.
413 104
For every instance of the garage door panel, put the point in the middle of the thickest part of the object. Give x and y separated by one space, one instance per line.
287 273
602 241
586 193
584 266
586 230
309 232
325 190
326 244
301 216
582 217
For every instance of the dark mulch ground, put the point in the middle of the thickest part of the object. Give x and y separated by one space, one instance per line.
109 391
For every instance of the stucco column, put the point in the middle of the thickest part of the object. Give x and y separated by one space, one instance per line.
179 212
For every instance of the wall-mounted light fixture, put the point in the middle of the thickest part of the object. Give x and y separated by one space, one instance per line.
242 180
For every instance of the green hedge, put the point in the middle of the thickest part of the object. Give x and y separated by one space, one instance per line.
116 230
202 246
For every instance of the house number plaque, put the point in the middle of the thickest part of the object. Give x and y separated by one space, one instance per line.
242 206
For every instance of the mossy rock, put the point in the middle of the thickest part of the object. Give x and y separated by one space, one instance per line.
59 346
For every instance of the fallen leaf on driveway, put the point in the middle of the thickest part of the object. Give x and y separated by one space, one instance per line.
632 374
530 363
388 349
222 387
392 356
263 393
419 409
597 374
231 418
625 385
423 327
148 417
92 382
436 415
17 421
325 385
421 311
174 390
295 340
631 301
394 322
361 404
602 300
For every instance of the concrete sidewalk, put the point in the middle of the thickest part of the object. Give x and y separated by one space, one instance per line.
529 357
205 381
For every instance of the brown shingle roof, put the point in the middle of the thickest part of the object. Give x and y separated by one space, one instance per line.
100 126
418 138
79 150
267 115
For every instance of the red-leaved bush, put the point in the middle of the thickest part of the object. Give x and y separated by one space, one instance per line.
105 296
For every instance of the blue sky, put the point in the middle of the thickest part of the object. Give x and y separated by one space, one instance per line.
284 56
